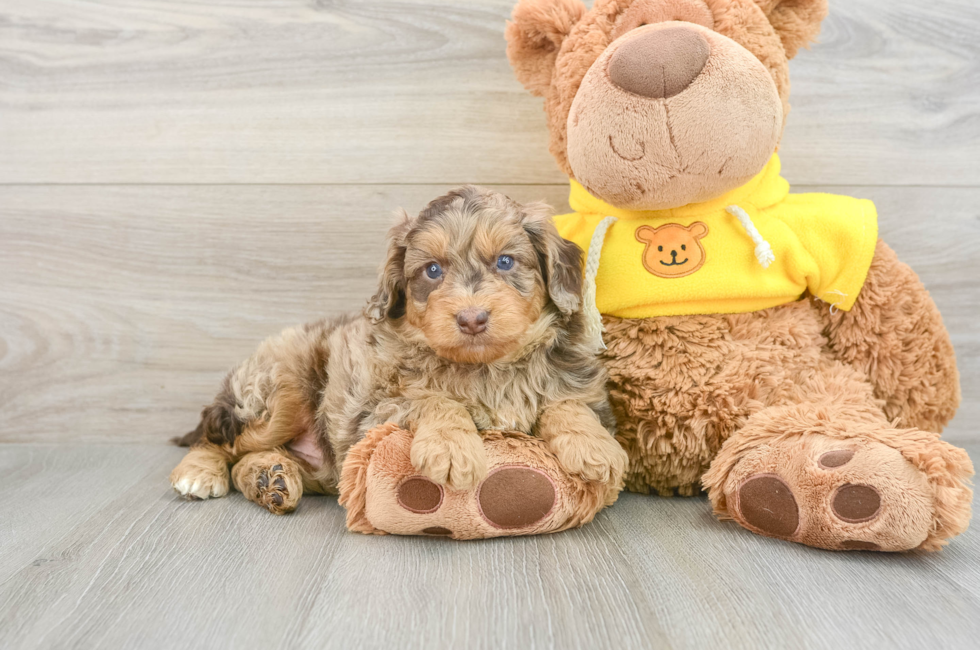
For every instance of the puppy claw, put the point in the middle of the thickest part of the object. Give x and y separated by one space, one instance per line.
272 492
457 461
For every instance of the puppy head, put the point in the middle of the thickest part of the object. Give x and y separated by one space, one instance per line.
474 271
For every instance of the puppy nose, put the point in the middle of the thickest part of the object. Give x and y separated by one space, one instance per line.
472 320
661 63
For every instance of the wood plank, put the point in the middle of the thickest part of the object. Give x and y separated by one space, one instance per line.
104 555
122 307
376 91
889 96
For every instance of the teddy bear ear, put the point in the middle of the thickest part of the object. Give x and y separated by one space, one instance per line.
796 21
534 35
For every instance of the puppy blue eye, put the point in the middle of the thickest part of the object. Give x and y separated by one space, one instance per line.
505 262
433 271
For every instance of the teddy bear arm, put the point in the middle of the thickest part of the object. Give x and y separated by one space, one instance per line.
894 333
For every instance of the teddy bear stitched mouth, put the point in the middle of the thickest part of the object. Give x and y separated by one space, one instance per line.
675 262
643 150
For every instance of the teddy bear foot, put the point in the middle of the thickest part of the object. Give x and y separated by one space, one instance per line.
525 491
845 492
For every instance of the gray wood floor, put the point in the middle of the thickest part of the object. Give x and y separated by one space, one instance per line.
98 552
180 179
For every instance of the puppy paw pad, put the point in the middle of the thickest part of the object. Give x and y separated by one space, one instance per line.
766 503
835 459
856 503
420 495
272 498
515 497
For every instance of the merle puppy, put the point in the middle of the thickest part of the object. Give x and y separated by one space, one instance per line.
476 324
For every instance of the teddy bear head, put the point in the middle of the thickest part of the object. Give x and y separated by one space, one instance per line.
655 104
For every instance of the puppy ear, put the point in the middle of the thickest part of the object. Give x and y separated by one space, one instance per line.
534 36
389 300
796 21
560 259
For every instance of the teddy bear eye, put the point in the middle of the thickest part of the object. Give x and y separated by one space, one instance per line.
683 247
433 271
660 248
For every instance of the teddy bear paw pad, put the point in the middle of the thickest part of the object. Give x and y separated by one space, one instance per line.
436 530
835 459
856 503
525 492
420 495
515 497
815 491
767 503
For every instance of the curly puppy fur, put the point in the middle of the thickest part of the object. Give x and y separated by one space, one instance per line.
418 359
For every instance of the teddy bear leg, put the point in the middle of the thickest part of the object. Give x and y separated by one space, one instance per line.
526 490
895 335
838 477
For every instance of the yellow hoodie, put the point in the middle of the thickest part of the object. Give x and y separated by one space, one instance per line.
703 258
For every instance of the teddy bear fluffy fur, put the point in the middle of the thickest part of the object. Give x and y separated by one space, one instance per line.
712 401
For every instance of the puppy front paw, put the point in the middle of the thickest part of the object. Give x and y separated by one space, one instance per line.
455 459
593 457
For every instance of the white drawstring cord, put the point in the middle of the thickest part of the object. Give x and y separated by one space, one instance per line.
593 319
841 297
763 251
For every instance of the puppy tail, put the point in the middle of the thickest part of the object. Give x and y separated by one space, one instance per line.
219 424
189 438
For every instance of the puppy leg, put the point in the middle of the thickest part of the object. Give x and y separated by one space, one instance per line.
271 479
203 473
447 448
583 446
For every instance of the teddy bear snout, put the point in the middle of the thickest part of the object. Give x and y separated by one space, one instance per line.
660 63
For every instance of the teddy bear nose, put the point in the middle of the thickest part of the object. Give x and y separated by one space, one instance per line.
661 63
472 320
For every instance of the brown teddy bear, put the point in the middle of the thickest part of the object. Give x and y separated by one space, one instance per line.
764 345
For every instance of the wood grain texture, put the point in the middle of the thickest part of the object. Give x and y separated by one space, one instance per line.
122 307
180 179
98 552
375 91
